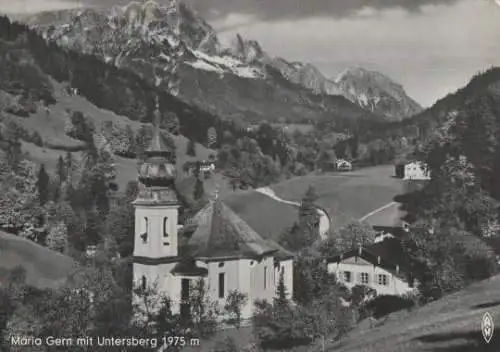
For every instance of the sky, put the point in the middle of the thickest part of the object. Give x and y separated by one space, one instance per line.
432 47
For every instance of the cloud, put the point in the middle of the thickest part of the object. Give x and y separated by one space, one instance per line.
278 10
34 6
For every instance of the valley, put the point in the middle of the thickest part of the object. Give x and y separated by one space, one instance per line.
155 181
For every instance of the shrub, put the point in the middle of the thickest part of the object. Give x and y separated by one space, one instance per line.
383 305
36 139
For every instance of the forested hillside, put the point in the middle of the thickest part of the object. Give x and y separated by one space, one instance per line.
459 208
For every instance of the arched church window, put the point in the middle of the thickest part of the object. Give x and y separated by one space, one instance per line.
143 282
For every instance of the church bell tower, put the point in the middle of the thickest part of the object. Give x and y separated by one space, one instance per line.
156 211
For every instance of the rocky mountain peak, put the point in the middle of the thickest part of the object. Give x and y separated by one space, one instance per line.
377 92
248 51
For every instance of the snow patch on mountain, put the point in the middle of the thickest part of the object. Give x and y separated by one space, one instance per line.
225 64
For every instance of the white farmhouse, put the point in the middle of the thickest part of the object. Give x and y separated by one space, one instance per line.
344 165
216 245
381 266
416 171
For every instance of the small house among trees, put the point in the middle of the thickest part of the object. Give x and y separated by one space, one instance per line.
383 266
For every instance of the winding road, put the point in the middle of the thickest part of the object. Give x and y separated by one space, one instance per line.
324 219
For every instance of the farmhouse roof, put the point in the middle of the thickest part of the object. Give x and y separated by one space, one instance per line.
219 233
388 254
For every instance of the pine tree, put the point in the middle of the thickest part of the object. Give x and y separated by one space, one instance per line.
43 185
69 165
308 213
198 191
60 170
280 298
191 148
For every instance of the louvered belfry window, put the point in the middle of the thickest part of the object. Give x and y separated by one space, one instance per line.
165 233
144 235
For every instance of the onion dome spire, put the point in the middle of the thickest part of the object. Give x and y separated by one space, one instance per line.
158 168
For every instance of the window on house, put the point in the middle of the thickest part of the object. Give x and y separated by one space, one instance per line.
165 233
221 285
382 279
265 277
347 276
221 265
364 278
143 282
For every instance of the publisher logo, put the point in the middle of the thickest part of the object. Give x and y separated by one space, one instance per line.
487 327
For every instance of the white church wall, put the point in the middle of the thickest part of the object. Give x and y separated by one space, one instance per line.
159 276
156 244
264 278
244 283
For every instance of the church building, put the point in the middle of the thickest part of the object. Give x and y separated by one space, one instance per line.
215 245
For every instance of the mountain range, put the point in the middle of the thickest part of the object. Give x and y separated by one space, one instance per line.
240 81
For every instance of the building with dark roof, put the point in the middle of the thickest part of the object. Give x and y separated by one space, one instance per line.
382 266
215 245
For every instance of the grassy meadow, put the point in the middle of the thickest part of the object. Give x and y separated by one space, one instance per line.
44 268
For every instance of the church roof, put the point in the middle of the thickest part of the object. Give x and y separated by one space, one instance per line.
220 233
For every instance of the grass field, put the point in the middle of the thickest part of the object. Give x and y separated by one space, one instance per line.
451 324
345 196
44 268
266 216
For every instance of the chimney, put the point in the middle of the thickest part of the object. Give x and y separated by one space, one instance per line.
360 249
397 269
378 260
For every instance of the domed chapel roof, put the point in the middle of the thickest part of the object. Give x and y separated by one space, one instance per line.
158 168
218 232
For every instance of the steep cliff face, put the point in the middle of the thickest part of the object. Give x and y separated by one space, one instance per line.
240 80
368 89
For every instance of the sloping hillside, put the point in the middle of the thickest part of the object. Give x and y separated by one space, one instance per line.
421 126
44 267
451 324
51 128
345 197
